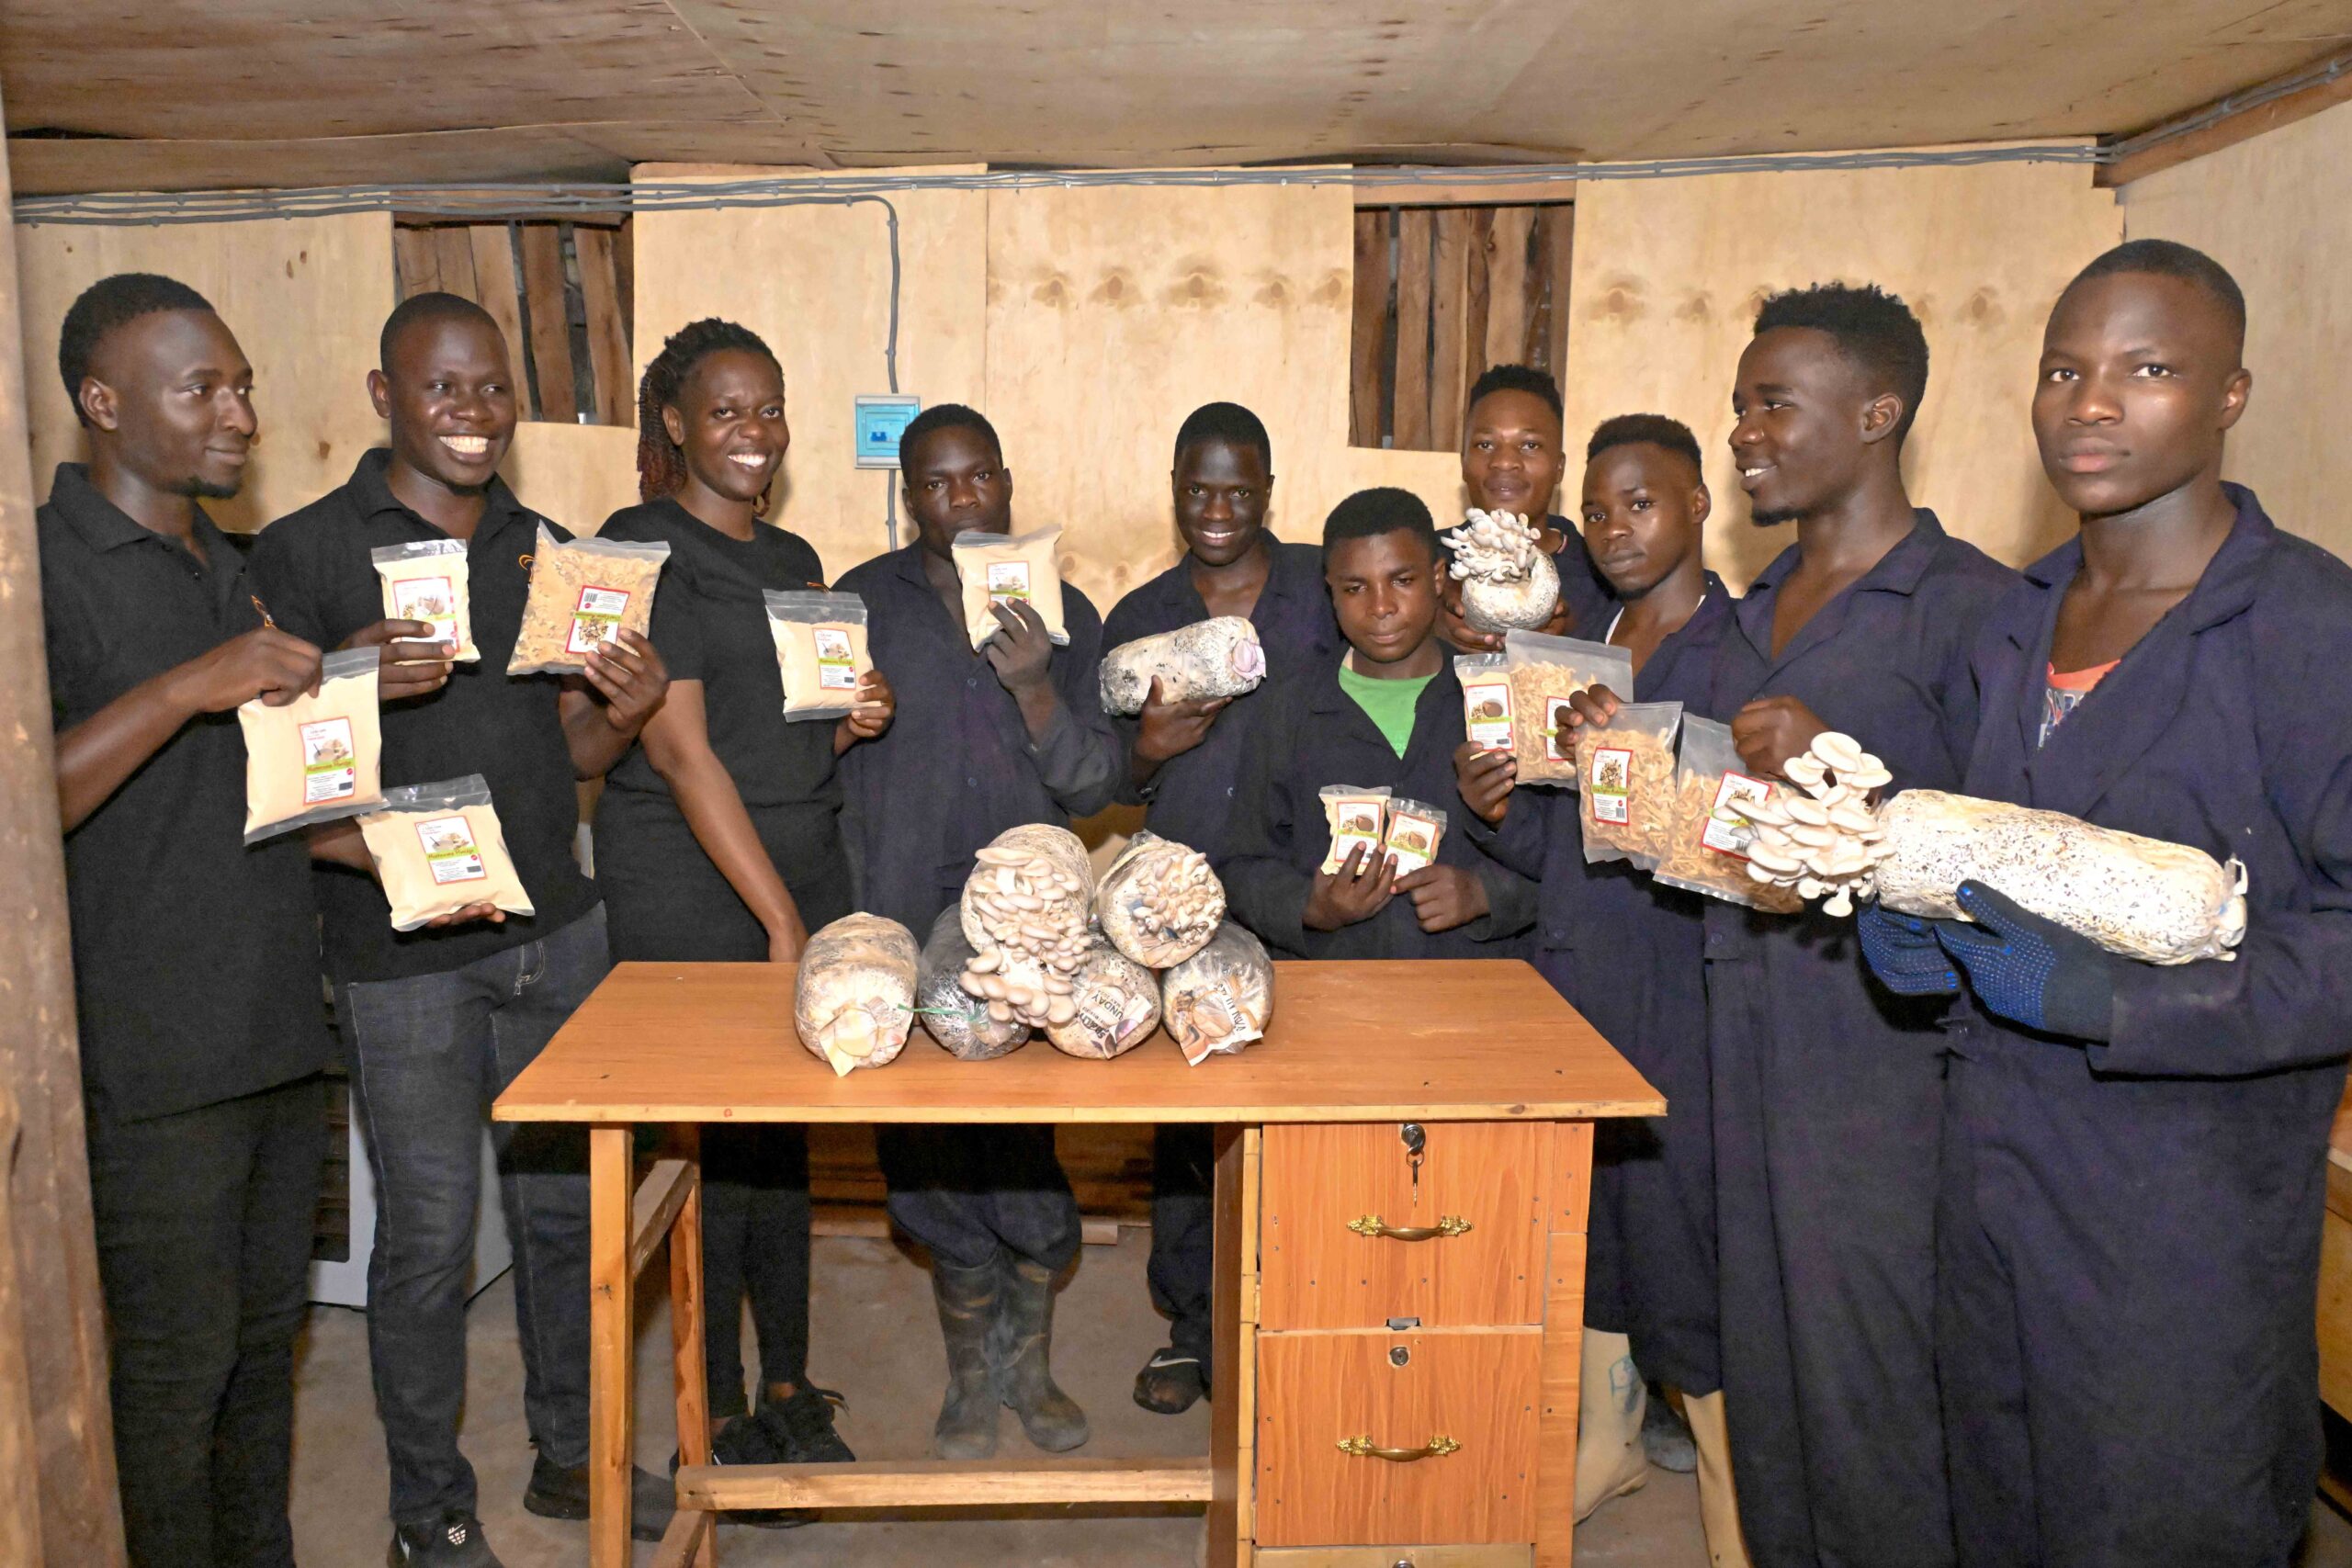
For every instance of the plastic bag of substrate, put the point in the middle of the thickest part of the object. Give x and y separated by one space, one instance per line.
967 1027
1026 910
317 758
1007 568
1706 846
438 847
1415 830
1114 1003
1545 671
1219 1000
1626 771
1353 816
854 999
820 648
424 579
1220 657
584 593
1487 701
1159 903
1507 580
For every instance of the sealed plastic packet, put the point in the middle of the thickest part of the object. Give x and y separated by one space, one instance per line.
1545 671
1001 569
317 758
854 996
438 847
1219 1000
1415 830
584 593
1354 817
1707 840
820 648
1116 1004
1487 703
1626 771
424 579
959 1021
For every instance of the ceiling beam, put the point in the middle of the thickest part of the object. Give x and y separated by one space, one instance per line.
2243 115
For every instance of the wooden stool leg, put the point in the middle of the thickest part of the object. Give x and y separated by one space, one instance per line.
685 1332
610 1334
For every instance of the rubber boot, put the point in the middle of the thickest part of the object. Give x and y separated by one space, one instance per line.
1718 1502
969 1301
1021 1341
1611 1402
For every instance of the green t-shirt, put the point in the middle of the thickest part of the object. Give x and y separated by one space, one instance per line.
1388 703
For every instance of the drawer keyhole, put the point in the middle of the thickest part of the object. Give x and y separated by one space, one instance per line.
1399 1355
1415 1141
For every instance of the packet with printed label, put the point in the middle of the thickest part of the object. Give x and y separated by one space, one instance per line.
1485 700
1006 569
1706 849
584 593
438 847
317 758
424 579
1545 671
820 645
1415 830
1354 817
1625 772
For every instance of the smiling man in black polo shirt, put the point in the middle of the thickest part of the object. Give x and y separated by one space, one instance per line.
438 1020
194 956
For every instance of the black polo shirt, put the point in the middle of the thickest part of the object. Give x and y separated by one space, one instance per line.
316 572
1191 797
195 958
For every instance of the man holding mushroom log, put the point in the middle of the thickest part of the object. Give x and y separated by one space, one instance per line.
985 740
2134 1153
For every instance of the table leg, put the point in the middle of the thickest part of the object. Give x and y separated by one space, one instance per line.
1231 1449
610 1336
1562 1367
685 1332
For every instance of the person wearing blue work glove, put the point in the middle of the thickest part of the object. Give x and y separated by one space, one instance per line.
1903 951
2030 970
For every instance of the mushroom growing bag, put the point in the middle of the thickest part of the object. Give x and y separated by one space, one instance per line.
820 648
1159 903
1507 580
438 847
1006 569
1220 657
1219 1000
584 593
1114 1003
853 998
316 758
963 1024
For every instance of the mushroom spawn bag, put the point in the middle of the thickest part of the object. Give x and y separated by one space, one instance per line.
1221 999
854 999
958 1020
1159 903
1220 657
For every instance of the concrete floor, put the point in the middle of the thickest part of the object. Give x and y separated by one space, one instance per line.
875 1337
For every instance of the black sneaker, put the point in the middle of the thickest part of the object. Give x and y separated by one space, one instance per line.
556 1493
455 1540
749 1439
1171 1383
804 1427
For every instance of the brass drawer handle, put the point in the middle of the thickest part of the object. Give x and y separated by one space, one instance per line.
1447 1224
1365 1448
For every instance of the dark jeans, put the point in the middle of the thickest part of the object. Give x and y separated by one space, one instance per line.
428 1054
1184 1234
204 1223
755 1239
962 1192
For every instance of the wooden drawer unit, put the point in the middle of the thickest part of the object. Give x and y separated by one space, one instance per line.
1469 1395
1396 1557
1499 1185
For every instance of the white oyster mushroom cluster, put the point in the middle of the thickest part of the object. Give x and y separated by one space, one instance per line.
1825 841
1026 910
1507 580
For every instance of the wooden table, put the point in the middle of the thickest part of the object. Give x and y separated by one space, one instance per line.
1501 1076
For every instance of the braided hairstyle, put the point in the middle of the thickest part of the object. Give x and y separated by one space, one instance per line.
662 462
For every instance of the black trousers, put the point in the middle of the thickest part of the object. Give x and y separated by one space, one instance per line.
1184 1234
964 1191
204 1227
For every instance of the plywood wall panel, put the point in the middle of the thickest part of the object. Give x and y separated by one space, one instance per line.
306 298
577 474
815 282
2278 212
1667 276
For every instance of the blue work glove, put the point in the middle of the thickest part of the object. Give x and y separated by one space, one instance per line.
2030 970
1903 953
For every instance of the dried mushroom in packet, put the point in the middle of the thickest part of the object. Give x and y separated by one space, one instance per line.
1625 770
1707 841
1545 671
584 593
1354 817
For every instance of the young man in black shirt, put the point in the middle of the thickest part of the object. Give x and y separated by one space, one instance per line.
193 954
983 741
438 1020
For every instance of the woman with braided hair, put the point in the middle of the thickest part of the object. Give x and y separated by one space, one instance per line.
719 836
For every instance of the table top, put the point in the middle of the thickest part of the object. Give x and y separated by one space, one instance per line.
1428 1040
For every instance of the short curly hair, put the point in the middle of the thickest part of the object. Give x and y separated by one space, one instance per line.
1874 330
108 303
1645 429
